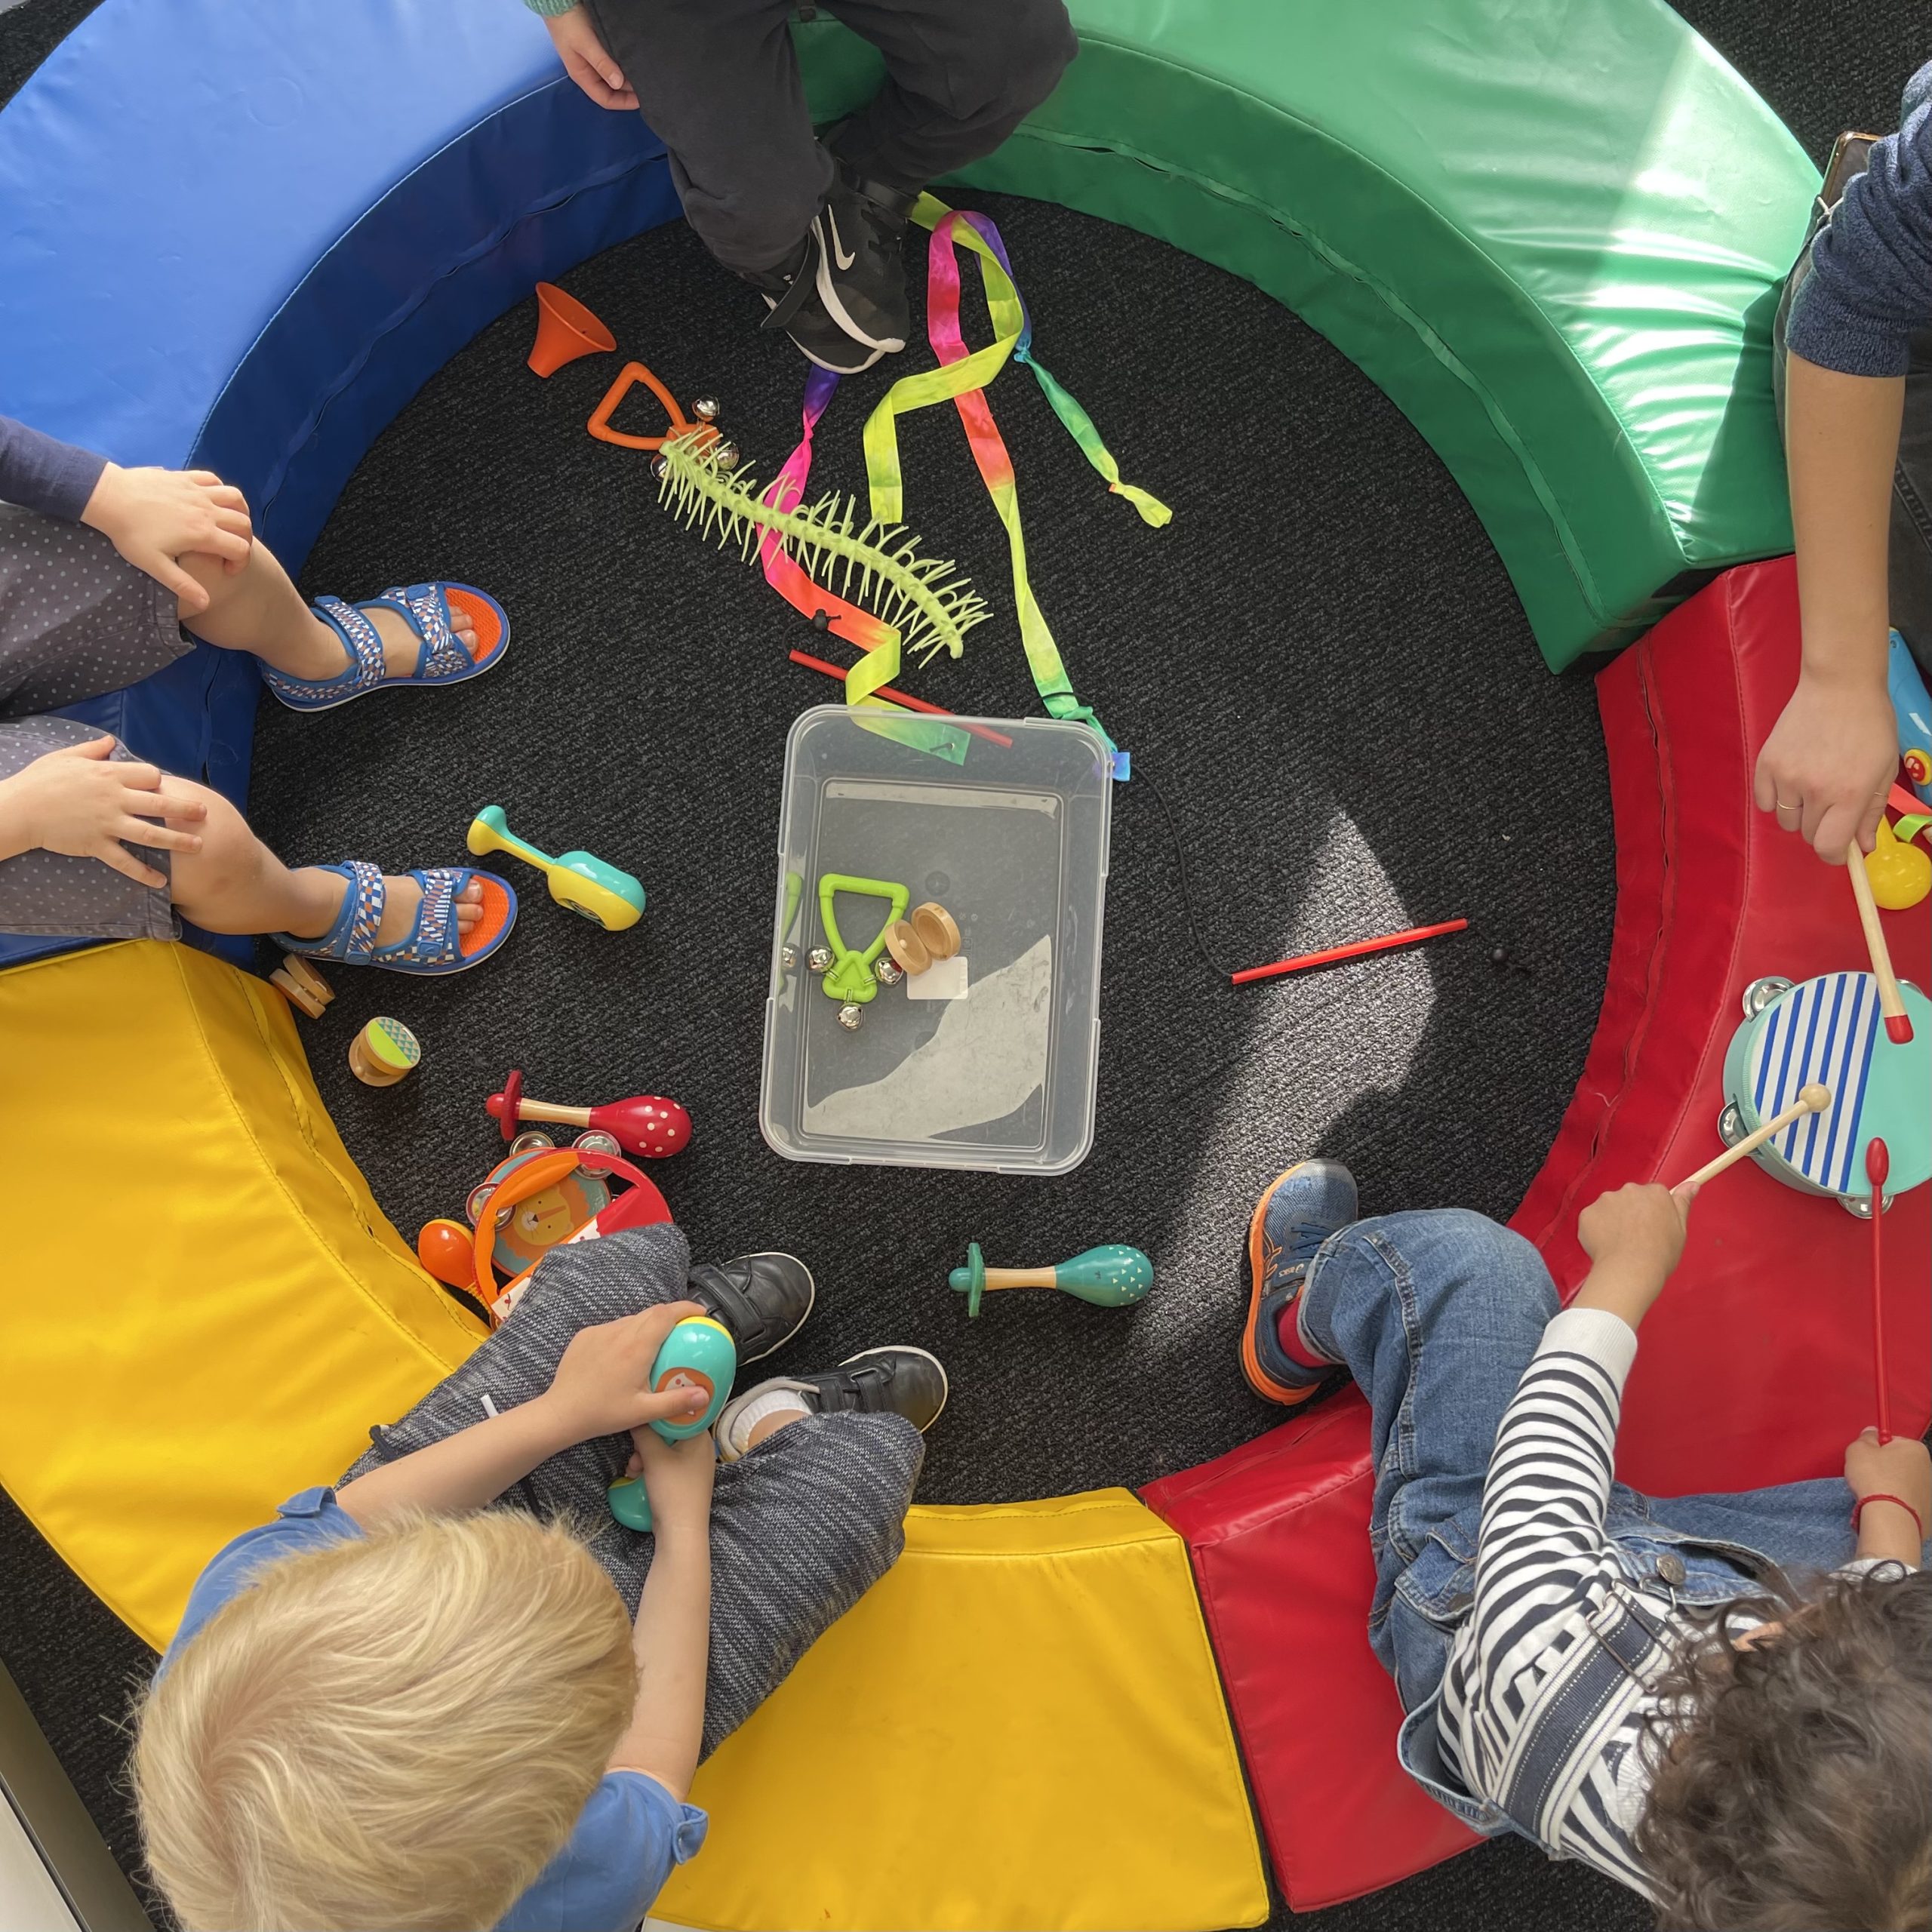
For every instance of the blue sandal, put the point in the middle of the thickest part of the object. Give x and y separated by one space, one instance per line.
440 659
434 945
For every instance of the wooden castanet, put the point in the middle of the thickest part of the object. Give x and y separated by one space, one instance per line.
301 985
927 935
1111 1277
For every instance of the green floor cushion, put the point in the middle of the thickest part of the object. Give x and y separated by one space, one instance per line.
1553 234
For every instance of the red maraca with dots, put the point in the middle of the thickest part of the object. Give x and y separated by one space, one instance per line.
647 1124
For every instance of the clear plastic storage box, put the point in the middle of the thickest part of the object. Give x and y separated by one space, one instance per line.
986 1060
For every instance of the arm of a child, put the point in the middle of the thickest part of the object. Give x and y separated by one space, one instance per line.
1830 757
586 60
153 517
1833 752
1549 1477
1634 1236
672 1638
82 800
602 1387
1892 1482
40 472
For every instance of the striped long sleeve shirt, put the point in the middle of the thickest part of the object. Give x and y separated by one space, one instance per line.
1550 1649
1547 1580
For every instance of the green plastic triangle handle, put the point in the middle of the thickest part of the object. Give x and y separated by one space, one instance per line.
850 980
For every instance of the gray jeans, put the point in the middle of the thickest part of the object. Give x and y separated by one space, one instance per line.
1910 557
718 84
800 1528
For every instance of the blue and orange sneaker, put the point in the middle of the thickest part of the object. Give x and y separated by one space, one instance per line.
1301 1209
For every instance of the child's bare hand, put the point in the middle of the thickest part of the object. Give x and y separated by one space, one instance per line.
1633 1236
1900 1467
677 1477
588 61
602 1385
82 800
1639 1225
154 516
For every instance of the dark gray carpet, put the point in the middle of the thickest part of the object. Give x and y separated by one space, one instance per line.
1320 663
1333 685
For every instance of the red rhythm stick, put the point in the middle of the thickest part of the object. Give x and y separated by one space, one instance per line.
1353 952
911 703
1877 1165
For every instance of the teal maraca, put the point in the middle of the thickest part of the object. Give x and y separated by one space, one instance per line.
698 1353
580 880
1111 1277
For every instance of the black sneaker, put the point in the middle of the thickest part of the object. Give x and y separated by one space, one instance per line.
842 297
791 295
897 1381
862 266
763 1299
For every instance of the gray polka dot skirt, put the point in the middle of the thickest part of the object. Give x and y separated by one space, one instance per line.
76 620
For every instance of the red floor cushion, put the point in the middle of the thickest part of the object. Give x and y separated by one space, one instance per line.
1279 1533
1756 1365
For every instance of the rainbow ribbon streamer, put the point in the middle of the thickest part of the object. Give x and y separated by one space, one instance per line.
961 378
878 640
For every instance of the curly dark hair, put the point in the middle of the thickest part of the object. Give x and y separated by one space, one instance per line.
1791 1781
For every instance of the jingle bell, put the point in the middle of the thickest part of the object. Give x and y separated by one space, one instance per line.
888 972
657 467
725 455
820 959
704 408
850 1016
788 958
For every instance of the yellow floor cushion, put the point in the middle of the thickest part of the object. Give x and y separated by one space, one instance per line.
1021 1727
205 1309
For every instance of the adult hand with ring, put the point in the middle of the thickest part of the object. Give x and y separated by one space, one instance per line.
1829 763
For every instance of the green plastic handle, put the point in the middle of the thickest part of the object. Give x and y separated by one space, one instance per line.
851 977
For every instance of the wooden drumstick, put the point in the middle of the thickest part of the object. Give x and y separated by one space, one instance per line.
1812 1099
1891 1002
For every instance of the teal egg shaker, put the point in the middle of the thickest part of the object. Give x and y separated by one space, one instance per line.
698 1353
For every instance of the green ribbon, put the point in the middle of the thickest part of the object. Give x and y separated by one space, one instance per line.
961 377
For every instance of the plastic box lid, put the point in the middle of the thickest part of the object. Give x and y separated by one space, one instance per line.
987 1064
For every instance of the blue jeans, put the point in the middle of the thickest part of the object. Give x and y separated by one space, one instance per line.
1437 1314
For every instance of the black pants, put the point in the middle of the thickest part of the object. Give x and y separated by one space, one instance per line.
718 84
800 1527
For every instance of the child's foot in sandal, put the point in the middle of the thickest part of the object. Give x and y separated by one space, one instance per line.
427 634
440 920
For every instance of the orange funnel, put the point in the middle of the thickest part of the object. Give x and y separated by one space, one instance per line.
565 330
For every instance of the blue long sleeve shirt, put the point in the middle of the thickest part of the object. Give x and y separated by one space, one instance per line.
1870 288
42 473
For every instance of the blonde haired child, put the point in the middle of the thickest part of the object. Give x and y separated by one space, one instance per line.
396 1706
